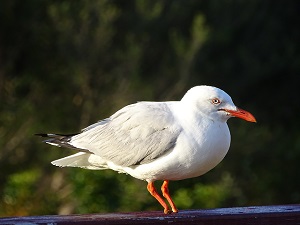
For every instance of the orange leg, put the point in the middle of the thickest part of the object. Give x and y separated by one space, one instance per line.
165 191
154 193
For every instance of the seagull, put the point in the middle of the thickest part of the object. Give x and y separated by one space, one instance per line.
152 141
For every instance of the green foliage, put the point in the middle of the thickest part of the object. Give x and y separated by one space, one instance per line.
18 188
66 64
206 195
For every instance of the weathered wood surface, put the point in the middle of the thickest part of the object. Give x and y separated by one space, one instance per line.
264 215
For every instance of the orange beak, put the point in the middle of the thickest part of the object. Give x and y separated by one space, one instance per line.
242 114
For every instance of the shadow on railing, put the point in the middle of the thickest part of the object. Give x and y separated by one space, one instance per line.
263 215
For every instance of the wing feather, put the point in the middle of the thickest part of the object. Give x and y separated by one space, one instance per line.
136 134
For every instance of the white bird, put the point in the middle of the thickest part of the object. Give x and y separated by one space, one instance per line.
151 141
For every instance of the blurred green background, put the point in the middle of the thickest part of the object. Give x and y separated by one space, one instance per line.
66 64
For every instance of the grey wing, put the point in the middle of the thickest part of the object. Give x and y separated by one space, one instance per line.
134 135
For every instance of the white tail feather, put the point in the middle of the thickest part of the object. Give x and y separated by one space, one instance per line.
82 160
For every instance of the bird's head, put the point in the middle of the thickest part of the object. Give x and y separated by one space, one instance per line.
215 104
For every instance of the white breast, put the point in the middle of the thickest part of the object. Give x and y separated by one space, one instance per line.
198 149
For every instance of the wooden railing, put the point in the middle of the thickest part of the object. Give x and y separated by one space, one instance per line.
263 215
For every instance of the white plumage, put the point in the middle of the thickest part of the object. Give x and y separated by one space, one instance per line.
158 140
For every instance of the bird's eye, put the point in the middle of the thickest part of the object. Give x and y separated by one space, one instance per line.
215 101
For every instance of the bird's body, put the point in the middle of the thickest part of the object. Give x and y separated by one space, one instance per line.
190 157
158 140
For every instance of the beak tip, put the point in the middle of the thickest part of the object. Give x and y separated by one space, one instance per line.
243 114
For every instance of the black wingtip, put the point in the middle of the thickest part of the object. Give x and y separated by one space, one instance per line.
61 140
55 135
41 135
